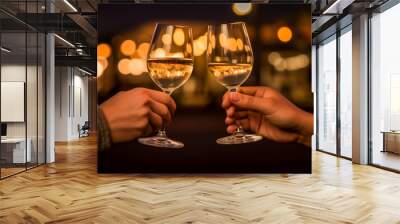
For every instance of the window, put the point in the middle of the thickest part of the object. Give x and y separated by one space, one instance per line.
327 96
346 93
22 77
385 89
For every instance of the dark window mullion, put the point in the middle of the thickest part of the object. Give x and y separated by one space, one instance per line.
316 97
338 94
369 79
37 91
26 88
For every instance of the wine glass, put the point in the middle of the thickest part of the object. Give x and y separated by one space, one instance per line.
230 61
170 64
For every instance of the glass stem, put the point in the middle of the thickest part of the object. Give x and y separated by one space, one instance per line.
239 130
163 131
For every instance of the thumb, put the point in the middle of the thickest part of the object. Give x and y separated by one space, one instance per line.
261 105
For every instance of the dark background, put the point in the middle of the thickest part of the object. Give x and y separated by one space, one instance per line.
198 130
199 120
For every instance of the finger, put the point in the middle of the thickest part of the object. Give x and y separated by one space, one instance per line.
231 128
156 121
234 111
161 110
162 98
244 123
249 90
225 101
241 114
259 91
230 112
261 105
237 116
231 115
229 121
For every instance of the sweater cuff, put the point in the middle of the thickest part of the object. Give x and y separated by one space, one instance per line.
103 132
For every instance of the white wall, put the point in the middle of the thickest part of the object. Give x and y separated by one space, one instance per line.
33 127
61 103
71 93
16 73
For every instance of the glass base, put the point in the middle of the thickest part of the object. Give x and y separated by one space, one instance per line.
162 142
239 138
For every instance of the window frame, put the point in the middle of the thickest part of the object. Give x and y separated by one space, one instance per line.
334 37
381 9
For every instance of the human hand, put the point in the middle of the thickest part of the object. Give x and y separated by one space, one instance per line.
137 112
265 112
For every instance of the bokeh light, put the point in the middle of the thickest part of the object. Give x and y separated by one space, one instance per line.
291 63
200 45
166 39
273 57
176 55
281 64
143 49
123 66
179 37
212 39
103 51
239 43
189 48
137 66
103 62
241 9
284 34
100 69
102 65
128 47
158 53
297 62
222 40
231 44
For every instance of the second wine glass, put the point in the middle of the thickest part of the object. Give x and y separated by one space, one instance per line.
230 61
170 64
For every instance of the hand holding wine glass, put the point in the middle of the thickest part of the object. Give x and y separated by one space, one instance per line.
170 64
230 61
266 112
127 119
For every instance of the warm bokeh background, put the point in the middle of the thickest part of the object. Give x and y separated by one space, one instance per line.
280 36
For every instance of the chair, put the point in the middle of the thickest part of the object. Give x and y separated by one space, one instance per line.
84 130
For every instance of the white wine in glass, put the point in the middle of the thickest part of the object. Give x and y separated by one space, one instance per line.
170 73
230 75
170 64
230 61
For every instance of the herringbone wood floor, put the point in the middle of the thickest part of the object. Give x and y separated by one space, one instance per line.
70 191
